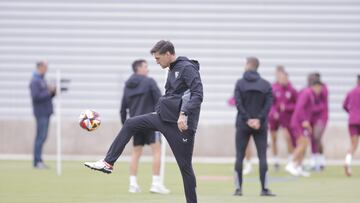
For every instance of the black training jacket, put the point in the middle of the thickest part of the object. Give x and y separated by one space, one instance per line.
183 75
253 96
141 95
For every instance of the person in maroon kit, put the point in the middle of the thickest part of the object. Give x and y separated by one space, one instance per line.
352 107
318 123
301 127
285 96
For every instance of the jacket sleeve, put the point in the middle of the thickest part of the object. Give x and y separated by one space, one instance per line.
192 80
155 91
123 108
267 105
37 93
239 103
346 103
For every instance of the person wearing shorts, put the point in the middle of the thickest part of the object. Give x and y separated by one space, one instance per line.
352 107
285 96
141 94
318 123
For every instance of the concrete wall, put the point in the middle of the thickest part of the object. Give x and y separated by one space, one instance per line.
212 140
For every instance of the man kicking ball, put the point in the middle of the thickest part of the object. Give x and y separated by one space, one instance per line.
175 121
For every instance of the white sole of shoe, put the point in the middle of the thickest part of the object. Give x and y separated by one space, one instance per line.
96 169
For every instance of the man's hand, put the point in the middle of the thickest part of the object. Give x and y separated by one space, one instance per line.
182 122
52 89
254 123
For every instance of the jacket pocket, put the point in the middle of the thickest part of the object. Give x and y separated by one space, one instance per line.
169 108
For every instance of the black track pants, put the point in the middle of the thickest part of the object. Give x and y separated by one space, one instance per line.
182 145
243 134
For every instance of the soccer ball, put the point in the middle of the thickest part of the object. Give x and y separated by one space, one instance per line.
89 120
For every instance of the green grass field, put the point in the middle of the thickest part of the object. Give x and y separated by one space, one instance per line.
20 183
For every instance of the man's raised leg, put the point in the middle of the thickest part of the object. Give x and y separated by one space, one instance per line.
131 126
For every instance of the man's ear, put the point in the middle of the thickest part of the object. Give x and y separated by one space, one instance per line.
168 54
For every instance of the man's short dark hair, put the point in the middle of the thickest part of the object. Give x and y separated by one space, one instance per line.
253 61
40 64
137 63
162 47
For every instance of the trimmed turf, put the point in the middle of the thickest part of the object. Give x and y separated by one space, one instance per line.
20 183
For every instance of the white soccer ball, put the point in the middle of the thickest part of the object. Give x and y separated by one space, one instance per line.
89 120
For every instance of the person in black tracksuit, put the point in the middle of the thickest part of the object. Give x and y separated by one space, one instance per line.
175 119
253 96
141 94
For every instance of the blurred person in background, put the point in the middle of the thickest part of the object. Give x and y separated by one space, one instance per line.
301 127
41 96
253 98
141 94
352 107
283 106
248 154
318 123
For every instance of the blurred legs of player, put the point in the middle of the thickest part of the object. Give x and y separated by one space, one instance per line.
274 149
135 156
294 167
247 161
289 142
153 139
354 133
157 185
318 158
274 125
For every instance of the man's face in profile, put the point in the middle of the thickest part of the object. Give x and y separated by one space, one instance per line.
163 59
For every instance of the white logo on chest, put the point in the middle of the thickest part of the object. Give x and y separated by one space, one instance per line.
176 74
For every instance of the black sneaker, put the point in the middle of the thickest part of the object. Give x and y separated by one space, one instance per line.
238 192
267 192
